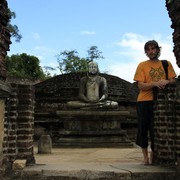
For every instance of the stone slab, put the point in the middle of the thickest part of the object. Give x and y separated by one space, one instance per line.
95 163
92 113
19 164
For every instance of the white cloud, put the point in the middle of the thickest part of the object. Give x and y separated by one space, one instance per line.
123 70
135 41
132 47
87 32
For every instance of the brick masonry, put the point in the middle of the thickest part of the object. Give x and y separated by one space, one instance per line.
4 37
53 94
19 123
173 8
167 125
19 119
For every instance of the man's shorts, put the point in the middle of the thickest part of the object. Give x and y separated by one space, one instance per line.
145 124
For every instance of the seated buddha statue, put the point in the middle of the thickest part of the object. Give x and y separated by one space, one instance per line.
93 91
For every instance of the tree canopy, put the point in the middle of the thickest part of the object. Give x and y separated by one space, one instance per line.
24 66
69 61
94 53
13 29
28 66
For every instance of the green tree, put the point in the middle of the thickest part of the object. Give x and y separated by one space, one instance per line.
24 66
69 61
94 53
14 30
48 71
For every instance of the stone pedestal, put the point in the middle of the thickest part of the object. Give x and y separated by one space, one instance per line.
88 128
45 144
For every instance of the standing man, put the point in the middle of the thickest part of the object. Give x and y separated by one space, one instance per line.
149 74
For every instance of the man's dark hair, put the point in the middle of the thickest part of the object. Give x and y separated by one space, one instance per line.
152 43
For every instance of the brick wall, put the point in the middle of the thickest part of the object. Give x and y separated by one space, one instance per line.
4 37
19 123
173 8
167 125
65 87
53 94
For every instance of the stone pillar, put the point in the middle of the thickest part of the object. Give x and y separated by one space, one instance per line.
4 47
178 125
25 122
45 144
10 123
173 7
4 93
19 123
1 124
167 126
4 37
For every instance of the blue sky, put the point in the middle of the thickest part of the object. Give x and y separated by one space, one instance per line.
118 28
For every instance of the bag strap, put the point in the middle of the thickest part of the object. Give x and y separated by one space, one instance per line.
165 66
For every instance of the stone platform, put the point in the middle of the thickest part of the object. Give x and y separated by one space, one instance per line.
94 164
97 112
92 128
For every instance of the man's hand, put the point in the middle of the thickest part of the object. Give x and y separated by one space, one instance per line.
161 84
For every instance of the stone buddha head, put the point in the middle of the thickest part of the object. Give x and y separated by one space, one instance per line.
93 68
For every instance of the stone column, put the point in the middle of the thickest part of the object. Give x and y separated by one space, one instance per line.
4 37
4 89
173 8
167 126
4 93
4 47
2 105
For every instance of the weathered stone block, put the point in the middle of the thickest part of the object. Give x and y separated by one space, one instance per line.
19 164
45 144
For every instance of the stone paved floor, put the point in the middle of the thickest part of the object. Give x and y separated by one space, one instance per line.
95 155
95 164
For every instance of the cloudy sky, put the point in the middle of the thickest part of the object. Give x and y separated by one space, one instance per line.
118 28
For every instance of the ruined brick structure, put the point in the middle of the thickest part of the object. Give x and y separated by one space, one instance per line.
18 101
4 37
65 87
167 108
4 88
167 125
173 7
52 96
19 123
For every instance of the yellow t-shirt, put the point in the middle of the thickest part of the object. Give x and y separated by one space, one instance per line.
151 71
